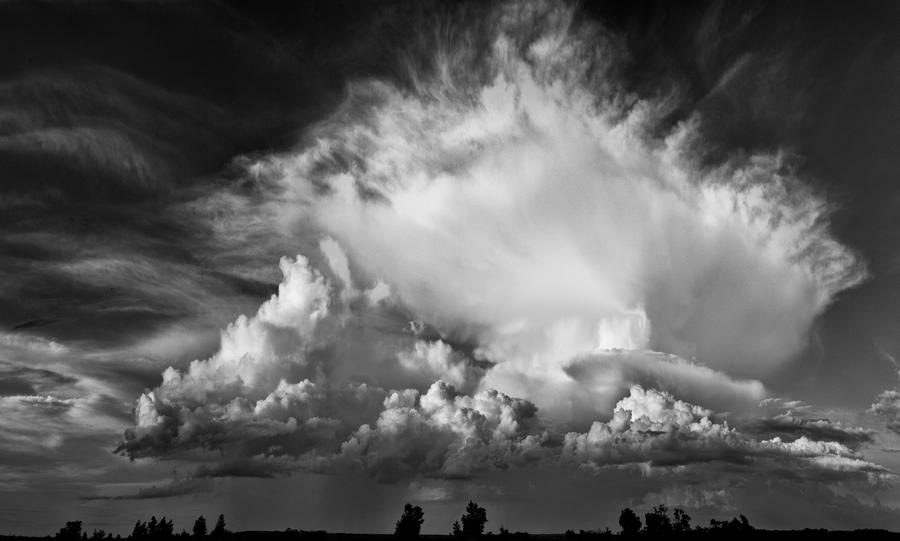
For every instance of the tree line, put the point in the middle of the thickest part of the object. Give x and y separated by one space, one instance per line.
658 522
150 530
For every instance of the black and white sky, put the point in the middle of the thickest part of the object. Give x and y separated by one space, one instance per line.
303 262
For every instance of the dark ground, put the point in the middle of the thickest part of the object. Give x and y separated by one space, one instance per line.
294 535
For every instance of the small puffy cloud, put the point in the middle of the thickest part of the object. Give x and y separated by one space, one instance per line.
780 405
438 361
653 429
444 434
887 406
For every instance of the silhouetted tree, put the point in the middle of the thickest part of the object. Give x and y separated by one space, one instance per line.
733 526
472 522
682 521
70 532
219 529
164 529
657 521
410 522
140 531
200 527
629 522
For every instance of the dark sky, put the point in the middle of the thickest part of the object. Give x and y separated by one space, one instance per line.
481 249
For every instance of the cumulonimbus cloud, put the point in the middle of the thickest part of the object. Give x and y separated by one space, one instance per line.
240 402
510 203
571 271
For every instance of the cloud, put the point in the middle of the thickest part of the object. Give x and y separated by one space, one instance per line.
17 379
429 492
240 399
690 497
445 434
651 429
437 361
240 402
887 406
786 425
57 122
497 256
241 395
444 490
614 372
51 410
172 489
516 198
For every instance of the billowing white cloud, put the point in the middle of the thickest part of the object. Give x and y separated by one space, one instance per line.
651 428
513 198
242 394
437 361
445 434
499 257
